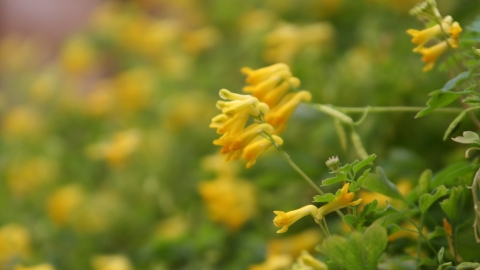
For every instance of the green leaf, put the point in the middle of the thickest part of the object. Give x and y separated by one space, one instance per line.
445 266
459 79
424 182
360 251
440 254
351 220
468 266
438 99
438 232
359 181
379 183
324 198
450 205
338 178
364 163
393 228
452 172
454 124
468 137
426 200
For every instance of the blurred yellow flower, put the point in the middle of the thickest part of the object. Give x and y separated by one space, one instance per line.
229 201
118 149
44 266
78 55
44 86
22 121
293 245
199 40
111 262
27 176
133 89
285 220
343 200
63 204
274 262
420 37
14 244
172 228
101 100
307 262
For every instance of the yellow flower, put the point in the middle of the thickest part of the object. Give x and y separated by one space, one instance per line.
63 203
14 244
431 54
293 245
273 262
255 149
229 201
284 220
343 200
111 262
26 177
423 36
455 30
307 261
116 151
78 55
44 266
257 76
280 114
236 111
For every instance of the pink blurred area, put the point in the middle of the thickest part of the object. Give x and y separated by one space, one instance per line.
50 21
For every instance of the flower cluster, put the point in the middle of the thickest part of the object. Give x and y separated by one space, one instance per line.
344 199
272 86
447 27
238 139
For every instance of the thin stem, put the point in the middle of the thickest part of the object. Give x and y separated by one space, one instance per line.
392 109
296 168
475 205
419 232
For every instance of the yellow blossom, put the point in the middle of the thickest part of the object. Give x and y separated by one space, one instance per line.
14 244
455 30
280 114
63 204
78 55
284 220
26 177
229 201
293 245
343 200
172 228
118 149
431 54
255 149
423 36
133 89
273 262
257 76
101 100
111 262
22 121
44 266
308 262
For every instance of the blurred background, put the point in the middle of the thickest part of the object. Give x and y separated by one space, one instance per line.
106 158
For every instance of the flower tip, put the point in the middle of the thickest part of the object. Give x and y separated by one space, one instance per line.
246 70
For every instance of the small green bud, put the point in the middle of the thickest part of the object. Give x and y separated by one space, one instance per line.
476 51
333 163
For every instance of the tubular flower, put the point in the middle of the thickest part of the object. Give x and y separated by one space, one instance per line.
343 200
236 111
431 54
255 149
284 220
271 85
452 31
420 37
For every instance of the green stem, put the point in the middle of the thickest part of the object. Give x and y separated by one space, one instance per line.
393 109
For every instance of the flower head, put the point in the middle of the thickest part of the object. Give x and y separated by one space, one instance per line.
343 200
284 220
430 55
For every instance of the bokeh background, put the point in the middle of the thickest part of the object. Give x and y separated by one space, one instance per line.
106 158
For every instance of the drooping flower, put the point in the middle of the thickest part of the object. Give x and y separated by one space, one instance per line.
451 32
431 54
111 262
272 85
236 111
343 200
255 149
284 220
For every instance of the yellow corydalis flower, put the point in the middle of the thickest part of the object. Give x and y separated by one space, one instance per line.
271 85
284 220
420 37
451 31
430 55
343 200
236 111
